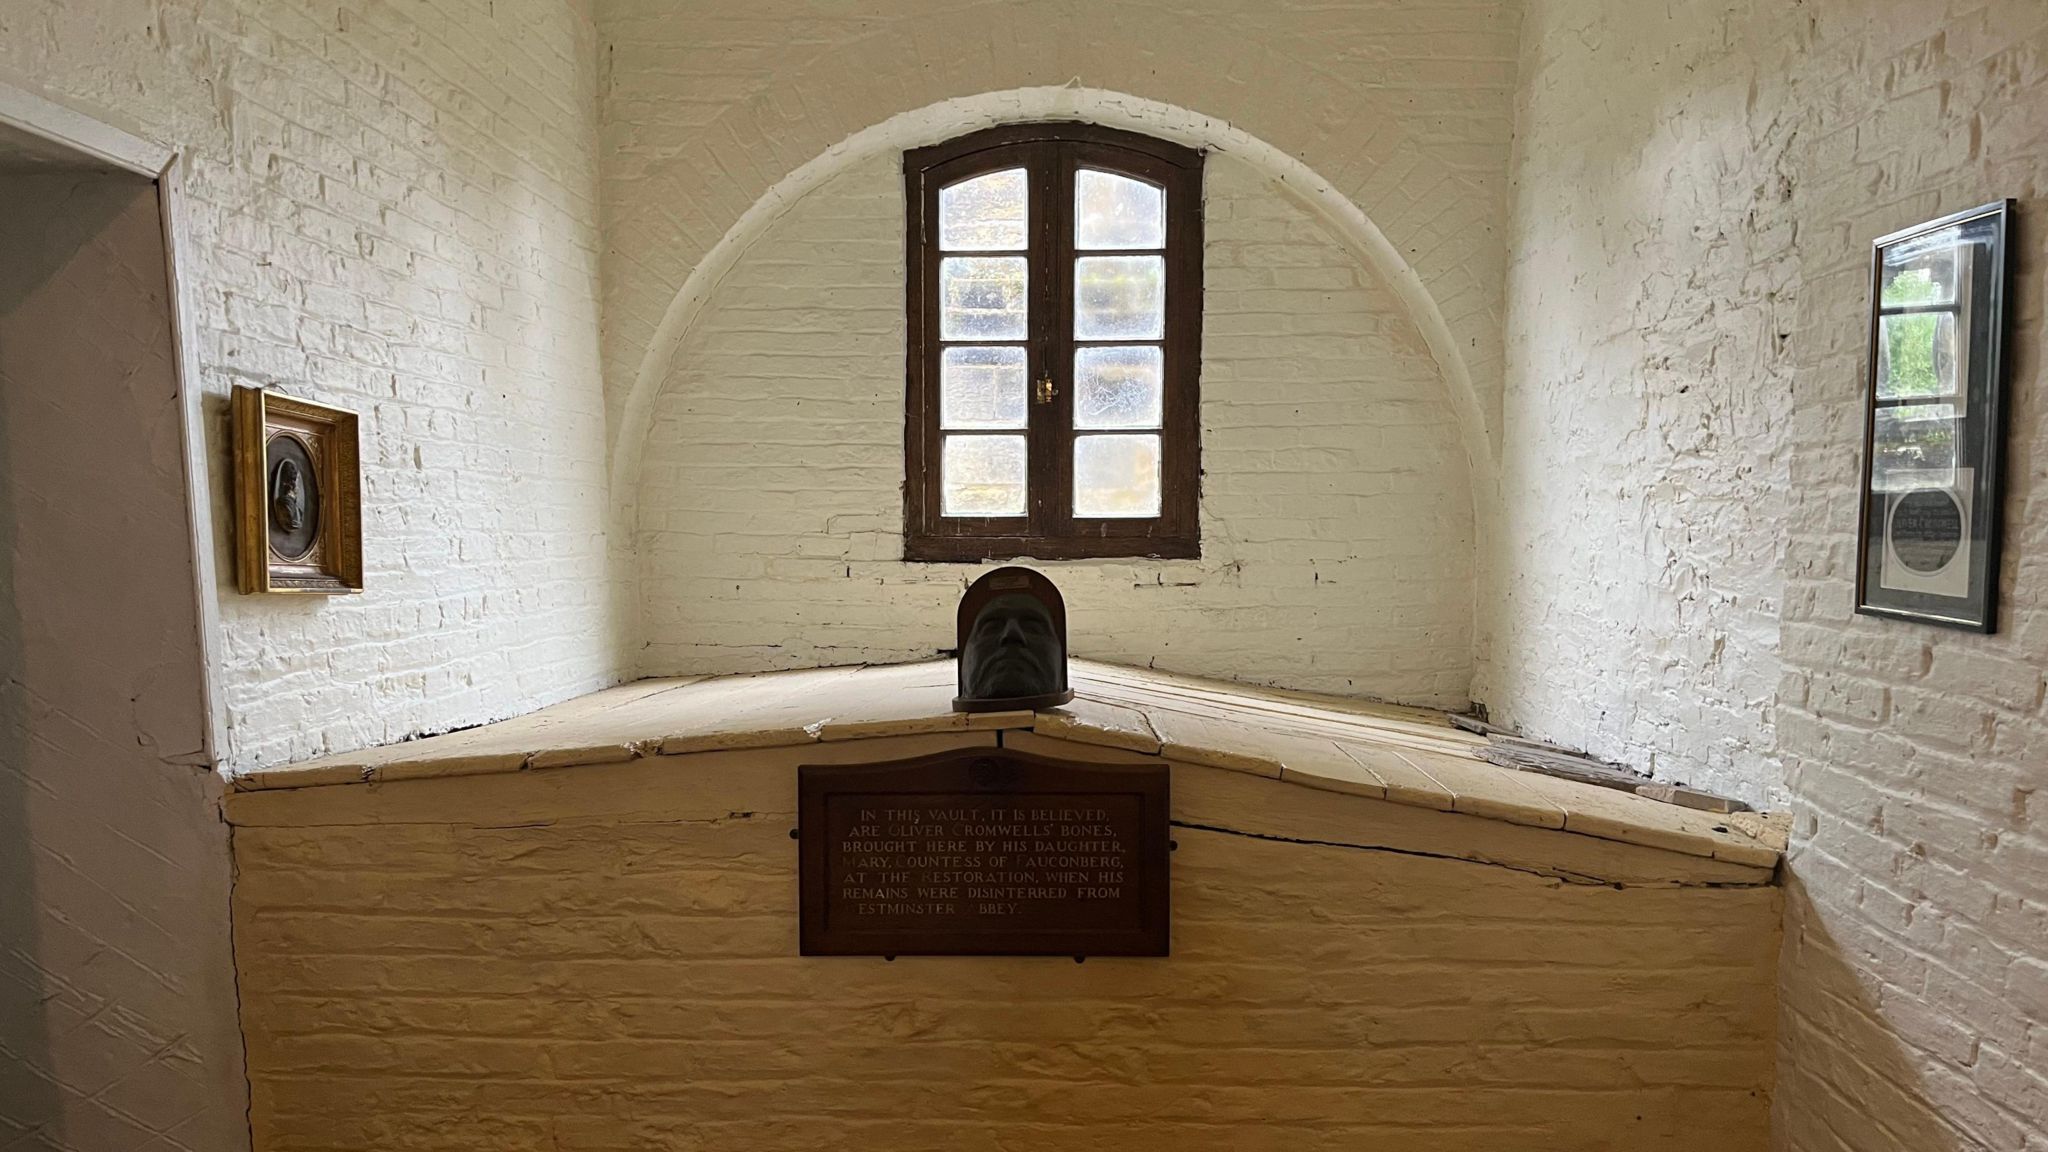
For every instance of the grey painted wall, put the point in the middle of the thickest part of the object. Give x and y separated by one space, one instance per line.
117 1013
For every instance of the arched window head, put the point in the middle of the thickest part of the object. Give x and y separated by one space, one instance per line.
1055 314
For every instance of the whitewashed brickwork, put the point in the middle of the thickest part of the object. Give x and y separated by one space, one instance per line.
1337 537
392 209
1401 105
1697 194
1634 610
1916 968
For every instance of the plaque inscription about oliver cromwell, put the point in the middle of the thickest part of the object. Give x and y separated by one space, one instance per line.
983 852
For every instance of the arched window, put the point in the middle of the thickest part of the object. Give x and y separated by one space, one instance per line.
1055 312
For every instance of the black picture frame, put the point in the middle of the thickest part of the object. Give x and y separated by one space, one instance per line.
1928 537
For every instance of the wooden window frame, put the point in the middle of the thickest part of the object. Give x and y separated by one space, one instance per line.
1052 153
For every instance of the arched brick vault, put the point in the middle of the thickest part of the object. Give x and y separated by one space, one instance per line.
1393 118
953 117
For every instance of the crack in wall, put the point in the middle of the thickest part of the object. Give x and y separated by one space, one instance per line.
1561 874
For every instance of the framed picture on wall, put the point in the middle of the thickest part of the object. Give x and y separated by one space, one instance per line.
1934 421
298 507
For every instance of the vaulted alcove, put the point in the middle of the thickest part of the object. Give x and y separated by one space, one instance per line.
1537 367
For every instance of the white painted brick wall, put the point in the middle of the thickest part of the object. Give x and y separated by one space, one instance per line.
1403 105
1635 606
1694 183
1915 755
393 209
1336 520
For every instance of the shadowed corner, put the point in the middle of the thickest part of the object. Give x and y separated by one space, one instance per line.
36 246
32 1109
116 1020
1846 1079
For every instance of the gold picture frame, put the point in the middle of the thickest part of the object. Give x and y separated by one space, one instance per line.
298 496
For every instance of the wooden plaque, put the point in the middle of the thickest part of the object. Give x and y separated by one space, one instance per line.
983 852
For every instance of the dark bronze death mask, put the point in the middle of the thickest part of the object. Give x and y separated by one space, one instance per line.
1012 643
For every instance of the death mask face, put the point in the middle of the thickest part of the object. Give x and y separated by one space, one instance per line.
1012 650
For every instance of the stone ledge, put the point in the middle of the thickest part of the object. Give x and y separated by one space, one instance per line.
1403 756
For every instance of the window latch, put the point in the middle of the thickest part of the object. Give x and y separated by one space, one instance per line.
1046 391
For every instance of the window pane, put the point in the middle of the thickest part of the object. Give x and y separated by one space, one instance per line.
982 476
1916 355
981 298
1118 387
1921 270
981 388
1112 211
986 213
1119 298
1116 476
1914 445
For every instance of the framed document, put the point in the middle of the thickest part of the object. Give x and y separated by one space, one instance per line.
1934 421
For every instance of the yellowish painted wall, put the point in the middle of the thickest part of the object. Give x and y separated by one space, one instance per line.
434 963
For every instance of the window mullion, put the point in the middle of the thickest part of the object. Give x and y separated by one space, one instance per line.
1045 312
932 439
1061 344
